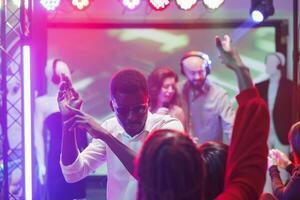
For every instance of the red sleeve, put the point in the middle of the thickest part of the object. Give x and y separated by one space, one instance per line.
247 156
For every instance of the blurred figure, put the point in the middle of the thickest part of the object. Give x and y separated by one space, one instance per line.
163 97
208 110
48 120
290 191
214 156
170 168
278 93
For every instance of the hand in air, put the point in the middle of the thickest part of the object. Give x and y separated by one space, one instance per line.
228 54
67 97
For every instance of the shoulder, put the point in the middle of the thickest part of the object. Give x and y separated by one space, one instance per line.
157 121
216 88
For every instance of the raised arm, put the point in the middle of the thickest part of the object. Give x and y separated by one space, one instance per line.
89 124
231 58
67 96
247 154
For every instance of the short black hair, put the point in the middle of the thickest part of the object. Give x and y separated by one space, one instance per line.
129 81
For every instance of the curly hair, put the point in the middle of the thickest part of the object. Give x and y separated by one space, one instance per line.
169 167
155 82
129 81
214 156
294 140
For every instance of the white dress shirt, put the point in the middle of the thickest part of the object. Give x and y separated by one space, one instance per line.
121 185
211 114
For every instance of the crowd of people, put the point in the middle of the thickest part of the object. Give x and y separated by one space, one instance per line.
184 141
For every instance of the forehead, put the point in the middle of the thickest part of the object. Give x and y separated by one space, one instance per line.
169 80
130 99
193 63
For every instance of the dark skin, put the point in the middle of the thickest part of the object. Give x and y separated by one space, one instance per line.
70 103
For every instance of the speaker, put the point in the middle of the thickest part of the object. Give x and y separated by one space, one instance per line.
199 54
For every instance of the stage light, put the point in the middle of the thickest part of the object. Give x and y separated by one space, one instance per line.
212 4
159 4
131 4
261 10
80 4
50 4
186 4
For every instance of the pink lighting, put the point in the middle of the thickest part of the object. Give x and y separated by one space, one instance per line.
131 4
159 4
80 4
50 5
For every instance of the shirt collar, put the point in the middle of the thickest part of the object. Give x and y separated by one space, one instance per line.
146 129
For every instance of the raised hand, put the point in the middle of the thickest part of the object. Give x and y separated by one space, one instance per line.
228 54
281 160
231 58
85 122
67 97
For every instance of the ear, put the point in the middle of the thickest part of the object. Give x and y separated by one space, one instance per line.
111 106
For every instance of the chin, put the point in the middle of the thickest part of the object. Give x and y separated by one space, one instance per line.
132 131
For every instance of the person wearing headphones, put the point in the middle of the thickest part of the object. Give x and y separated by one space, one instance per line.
209 112
279 94
48 137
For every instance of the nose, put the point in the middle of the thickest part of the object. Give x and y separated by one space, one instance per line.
170 89
197 76
131 116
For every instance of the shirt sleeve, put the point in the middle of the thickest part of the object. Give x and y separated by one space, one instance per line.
291 190
87 161
247 154
227 115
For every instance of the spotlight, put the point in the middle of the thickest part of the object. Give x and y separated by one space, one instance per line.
212 4
131 4
50 4
261 10
159 4
186 4
80 4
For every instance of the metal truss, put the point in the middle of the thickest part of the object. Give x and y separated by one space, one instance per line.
14 33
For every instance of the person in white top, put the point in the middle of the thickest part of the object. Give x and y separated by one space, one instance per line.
279 94
117 140
209 112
